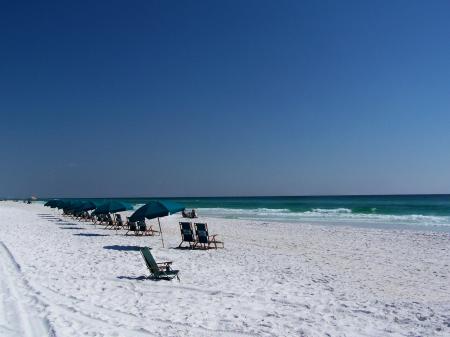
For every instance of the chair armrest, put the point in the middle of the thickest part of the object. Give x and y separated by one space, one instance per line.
164 266
165 263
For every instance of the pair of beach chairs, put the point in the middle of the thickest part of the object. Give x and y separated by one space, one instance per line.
110 222
102 219
141 228
200 238
85 216
116 223
158 271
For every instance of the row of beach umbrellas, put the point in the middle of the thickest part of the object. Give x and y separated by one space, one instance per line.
151 210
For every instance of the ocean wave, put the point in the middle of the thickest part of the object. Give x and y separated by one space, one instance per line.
341 215
331 211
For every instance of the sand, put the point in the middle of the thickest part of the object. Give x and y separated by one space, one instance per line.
62 277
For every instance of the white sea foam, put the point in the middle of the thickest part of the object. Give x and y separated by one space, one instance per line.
338 215
331 211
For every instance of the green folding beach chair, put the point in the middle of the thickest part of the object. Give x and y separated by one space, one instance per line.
187 234
158 271
204 239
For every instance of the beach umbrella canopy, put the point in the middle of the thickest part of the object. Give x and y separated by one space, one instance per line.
74 205
60 204
112 206
67 204
86 206
156 209
51 203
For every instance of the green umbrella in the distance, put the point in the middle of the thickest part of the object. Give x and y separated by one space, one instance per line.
86 206
51 203
112 206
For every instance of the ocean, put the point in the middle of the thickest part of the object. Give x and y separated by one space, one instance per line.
423 212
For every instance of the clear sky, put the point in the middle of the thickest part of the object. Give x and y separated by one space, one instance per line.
201 98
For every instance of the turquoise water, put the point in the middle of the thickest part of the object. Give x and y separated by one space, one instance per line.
413 211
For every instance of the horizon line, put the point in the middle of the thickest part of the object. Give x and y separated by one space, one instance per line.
236 196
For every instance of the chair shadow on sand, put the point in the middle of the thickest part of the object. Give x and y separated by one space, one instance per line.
90 234
184 248
81 228
124 248
137 278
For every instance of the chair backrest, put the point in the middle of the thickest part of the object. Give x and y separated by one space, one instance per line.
150 261
187 233
201 229
131 224
142 225
119 219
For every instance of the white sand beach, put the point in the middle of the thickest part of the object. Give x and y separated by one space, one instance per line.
61 277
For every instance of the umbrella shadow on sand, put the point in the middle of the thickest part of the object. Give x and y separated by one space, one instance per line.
90 234
124 248
81 228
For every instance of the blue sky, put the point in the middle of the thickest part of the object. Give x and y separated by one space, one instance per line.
202 98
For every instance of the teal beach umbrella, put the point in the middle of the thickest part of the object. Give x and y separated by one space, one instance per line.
156 209
67 204
74 205
60 204
51 203
86 206
112 206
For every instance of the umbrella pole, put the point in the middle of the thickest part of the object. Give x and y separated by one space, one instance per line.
160 232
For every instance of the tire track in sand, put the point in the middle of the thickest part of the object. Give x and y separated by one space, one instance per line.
20 314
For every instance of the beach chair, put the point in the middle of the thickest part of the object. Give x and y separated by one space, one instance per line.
101 219
146 230
91 217
204 240
87 216
83 215
158 271
78 215
132 227
110 223
118 223
187 234
191 215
